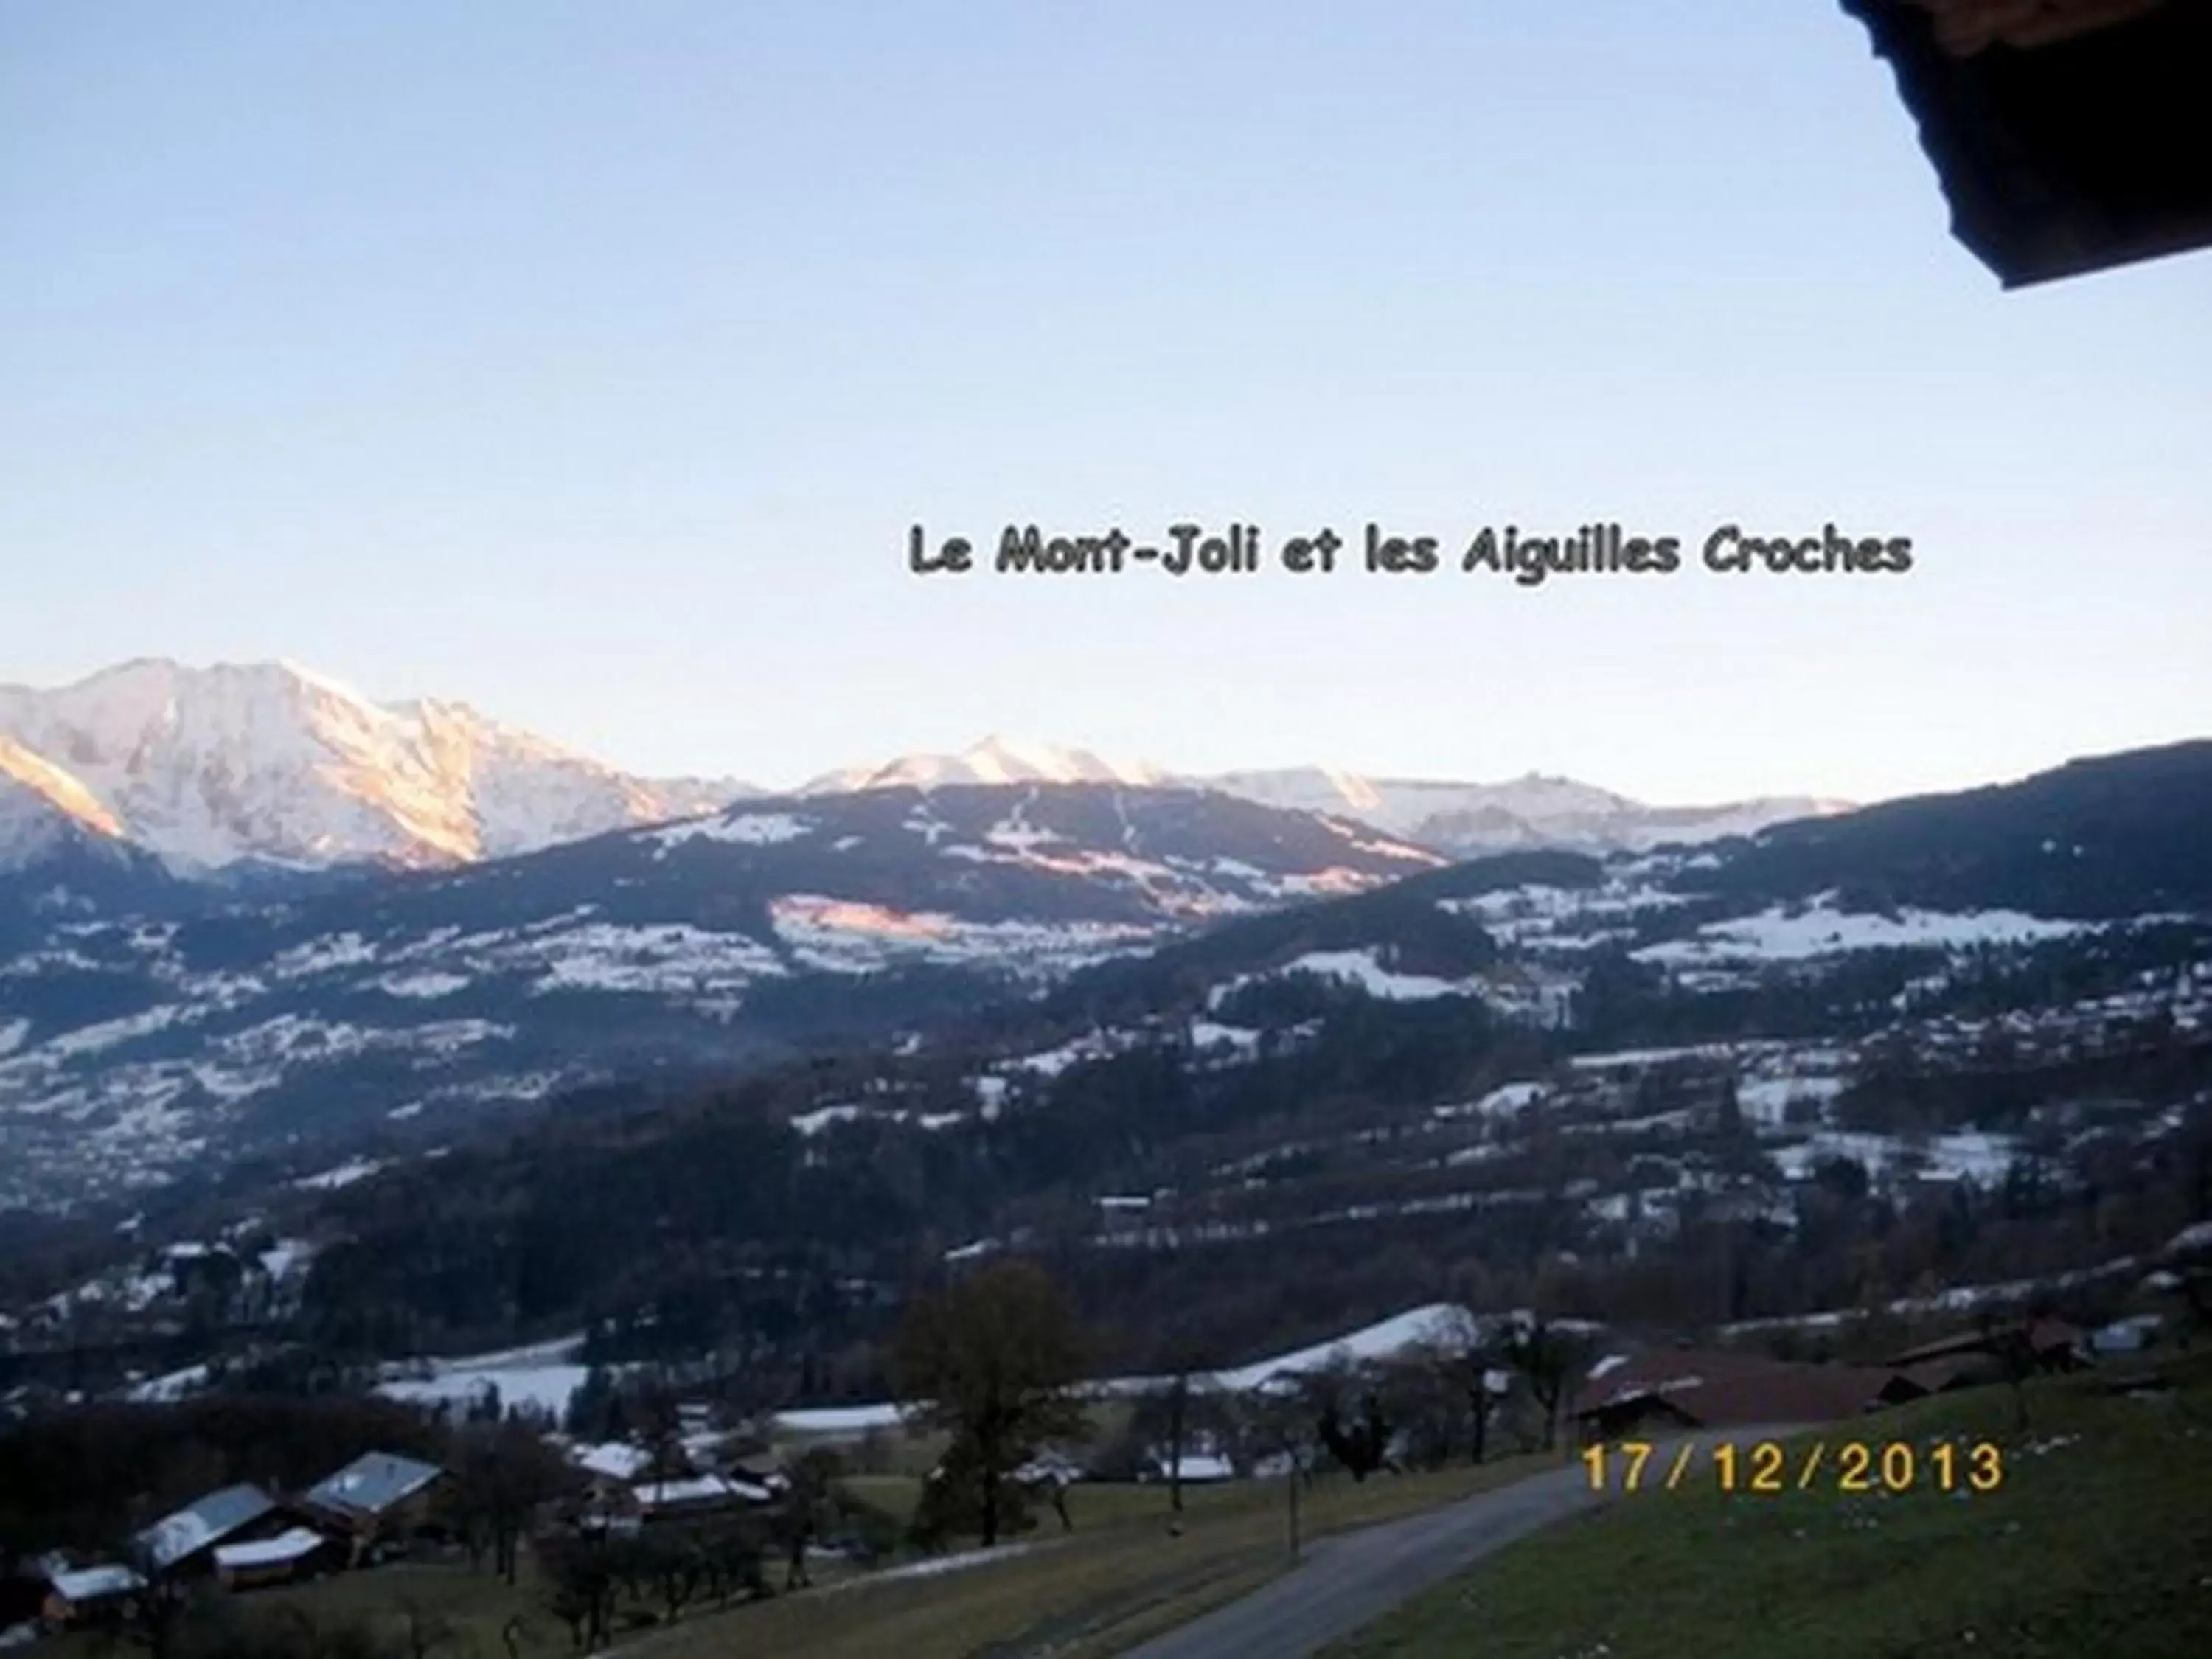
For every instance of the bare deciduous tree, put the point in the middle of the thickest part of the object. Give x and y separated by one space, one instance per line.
992 1358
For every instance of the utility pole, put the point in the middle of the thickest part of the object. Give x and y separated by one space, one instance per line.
1293 1458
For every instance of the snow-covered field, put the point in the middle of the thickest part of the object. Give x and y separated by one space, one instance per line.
1364 970
543 1376
1782 934
1438 1322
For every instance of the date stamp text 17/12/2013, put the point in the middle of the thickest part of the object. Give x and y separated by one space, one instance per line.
1770 1468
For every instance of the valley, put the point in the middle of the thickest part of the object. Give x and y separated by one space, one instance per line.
497 1157
784 1058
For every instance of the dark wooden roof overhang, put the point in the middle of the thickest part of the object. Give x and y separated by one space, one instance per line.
2069 135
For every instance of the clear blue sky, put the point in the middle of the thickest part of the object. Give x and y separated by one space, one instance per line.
588 362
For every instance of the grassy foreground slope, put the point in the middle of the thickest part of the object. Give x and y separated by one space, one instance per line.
2098 1543
1119 1579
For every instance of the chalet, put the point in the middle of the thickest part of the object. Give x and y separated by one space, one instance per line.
297 1553
184 1542
611 1461
378 1500
759 1470
693 1498
1683 1390
2129 1336
1937 1376
2052 1344
89 1594
1050 1468
1198 1468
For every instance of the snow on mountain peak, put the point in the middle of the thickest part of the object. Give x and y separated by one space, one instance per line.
275 762
61 792
1461 818
994 759
42 807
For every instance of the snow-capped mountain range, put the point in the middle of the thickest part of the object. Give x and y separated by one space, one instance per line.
1463 819
272 765
134 1047
145 1035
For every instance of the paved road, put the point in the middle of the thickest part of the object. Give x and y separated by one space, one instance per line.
1352 1579
1347 1581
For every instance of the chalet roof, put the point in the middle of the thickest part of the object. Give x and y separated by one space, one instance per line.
1964 27
1943 1347
1934 1375
2044 1336
1050 1469
2065 134
373 1483
1198 1467
206 1520
1718 1388
615 1459
286 1546
697 1489
90 1584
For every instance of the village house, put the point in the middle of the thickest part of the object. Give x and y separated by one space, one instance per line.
2052 1345
759 1469
378 1502
298 1552
1665 1391
693 1498
88 1595
184 1543
1050 1468
2130 1335
1940 1375
1197 1466
610 1461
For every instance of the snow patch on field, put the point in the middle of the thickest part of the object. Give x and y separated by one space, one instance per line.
1503 1101
1437 1322
1768 1100
346 950
424 986
959 1561
1051 1062
1969 1156
542 1376
342 1175
1360 968
843 1419
1208 1037
814 1122
670 958
743 829
1640 1059
93 1039
168 1389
